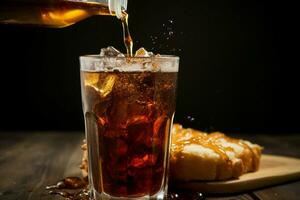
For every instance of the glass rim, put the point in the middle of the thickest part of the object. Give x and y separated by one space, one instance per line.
160 57
165 63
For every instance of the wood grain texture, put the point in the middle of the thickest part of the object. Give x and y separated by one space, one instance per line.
30 161
273 170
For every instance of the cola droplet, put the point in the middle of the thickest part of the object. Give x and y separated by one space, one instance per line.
65 187
190 118
186 196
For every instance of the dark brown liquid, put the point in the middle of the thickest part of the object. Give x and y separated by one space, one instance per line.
126 35
128 117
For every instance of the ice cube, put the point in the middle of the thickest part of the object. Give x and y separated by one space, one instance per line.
91 79
151 159
140 161
107 85
137 120
142 52
111 52
122 147
92 96
137 162
158 124
103 121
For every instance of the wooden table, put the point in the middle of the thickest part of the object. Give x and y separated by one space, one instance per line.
32 160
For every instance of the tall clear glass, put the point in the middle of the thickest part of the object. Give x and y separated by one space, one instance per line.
128 105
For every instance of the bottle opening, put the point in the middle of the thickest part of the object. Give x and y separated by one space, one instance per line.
117 6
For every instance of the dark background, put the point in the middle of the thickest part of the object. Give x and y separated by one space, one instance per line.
237 67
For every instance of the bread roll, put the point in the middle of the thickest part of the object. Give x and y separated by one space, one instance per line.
196 155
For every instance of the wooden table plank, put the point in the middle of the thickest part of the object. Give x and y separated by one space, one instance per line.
30 161
232 197
34 161
288 191
281 144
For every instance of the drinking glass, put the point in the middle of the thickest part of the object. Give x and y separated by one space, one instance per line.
128 106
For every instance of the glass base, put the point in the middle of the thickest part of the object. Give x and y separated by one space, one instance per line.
103 196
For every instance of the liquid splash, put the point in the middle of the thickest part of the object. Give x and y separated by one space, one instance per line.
75 188
167 38
70 188
185 196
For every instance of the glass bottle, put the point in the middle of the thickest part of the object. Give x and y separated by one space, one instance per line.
56 13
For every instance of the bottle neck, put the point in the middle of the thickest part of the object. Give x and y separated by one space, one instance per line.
117 6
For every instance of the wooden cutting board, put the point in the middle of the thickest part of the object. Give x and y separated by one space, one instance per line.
273 170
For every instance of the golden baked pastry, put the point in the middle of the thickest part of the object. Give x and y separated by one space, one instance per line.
196 155
84 160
